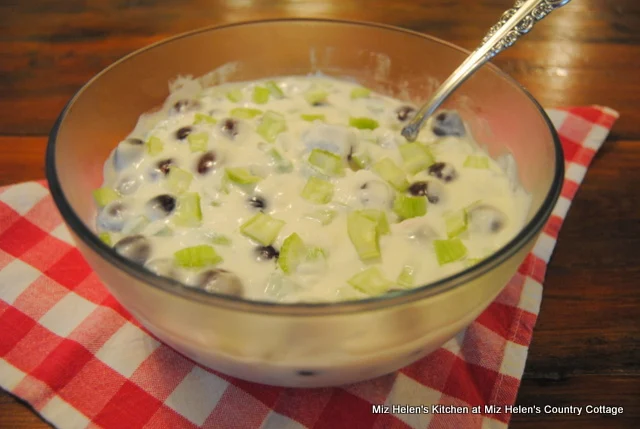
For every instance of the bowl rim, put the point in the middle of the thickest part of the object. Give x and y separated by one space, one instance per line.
392 299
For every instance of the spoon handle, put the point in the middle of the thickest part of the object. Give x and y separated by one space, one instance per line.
513 23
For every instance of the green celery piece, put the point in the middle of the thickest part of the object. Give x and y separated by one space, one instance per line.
274 89
315 253
407 207
380 217
359 161
178 180
220 239
364 235
370 281
363 123
311 117
292 253
198 142
456 223
242 176
416 157
317 191
406 278
245 112
282 164
450 250
188 212
154 145
326 162
315 95
104 196
325 217
197 256
105 237
389 171
271 125
476 161
260 95
262 228
201 118
235 95
360 92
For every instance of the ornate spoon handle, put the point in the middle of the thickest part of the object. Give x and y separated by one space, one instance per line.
513 23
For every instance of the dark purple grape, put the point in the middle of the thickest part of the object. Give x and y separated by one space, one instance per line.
135 141
160 206
183 133
206 162
448 123
425 189
128 152
165 165
257 202
182 106
375 194
135 248
486 219
320 103
443 171
265 253
229 127
405 113
220 281
113 216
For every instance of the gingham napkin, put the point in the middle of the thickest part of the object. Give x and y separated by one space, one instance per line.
71 351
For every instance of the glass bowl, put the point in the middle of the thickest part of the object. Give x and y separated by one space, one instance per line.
315 344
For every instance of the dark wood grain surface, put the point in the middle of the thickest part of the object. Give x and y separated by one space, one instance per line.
586 345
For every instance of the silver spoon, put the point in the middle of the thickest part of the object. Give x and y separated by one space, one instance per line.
513 23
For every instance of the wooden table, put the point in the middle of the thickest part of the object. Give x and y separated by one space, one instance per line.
586 346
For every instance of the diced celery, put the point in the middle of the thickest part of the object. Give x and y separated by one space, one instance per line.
271 125
220 239
363 233
292 253
370 281
105 237
470 262
380 217
104 196
282 164
188 212
315 253
311 117
242 176
260 95
201 118
407 207
317 191
325 217
359 161
389 171
235 95
197 256
178 180
262 228
416 157
198 142
314 96
154 145
360 92
274 89
326 162
456 223
363 123
406 277
476 161
245 112
448 251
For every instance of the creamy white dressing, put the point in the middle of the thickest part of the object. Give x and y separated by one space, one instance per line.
225 205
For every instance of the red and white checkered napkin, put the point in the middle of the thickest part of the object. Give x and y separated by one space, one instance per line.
70 350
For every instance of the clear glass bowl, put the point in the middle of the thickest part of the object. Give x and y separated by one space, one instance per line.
302 345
